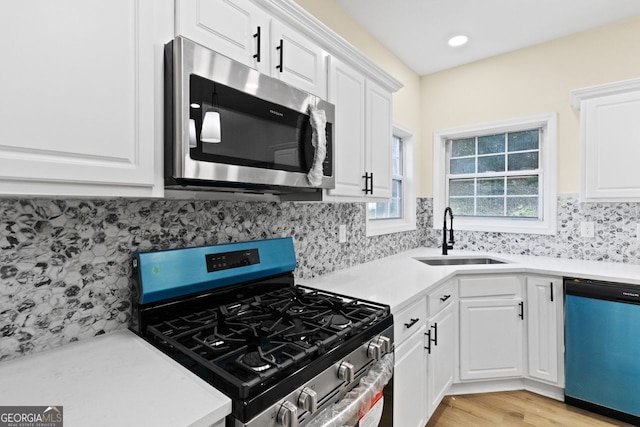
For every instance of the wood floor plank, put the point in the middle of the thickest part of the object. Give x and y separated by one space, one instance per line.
513 408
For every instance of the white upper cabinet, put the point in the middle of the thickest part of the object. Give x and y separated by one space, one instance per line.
610 139
81 84
246 33
297 60
362 134
237 29
378 140
346 91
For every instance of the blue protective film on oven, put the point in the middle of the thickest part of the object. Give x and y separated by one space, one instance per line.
163 275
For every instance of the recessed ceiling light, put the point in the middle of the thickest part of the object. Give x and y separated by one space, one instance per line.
458 40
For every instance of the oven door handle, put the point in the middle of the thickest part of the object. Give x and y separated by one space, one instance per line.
360 398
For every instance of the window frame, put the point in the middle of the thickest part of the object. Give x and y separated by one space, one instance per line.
376 227
547 176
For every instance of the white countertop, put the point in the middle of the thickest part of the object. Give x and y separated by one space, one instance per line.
398 279
116 379
119 379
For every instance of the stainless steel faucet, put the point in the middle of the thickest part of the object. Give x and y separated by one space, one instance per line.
447 245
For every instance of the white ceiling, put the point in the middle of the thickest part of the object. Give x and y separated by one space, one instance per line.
417 30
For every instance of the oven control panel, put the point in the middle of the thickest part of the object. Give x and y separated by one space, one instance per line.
227 260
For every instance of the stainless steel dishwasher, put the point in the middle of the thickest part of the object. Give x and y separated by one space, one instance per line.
602 347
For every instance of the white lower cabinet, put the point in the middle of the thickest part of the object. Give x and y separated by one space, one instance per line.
410 382
545 331
491 327
410 368
440 356
483 332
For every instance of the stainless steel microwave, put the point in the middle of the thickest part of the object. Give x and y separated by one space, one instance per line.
230 128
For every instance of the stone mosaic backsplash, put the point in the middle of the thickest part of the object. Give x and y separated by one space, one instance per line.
65 264
615 238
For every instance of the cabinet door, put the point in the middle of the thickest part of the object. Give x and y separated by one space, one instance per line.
346 91
544 305
297 60
440 360
409 382
79 87
491 333
235 28
610 132
378 139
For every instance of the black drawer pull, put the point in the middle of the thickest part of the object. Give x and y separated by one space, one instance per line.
411 323
521 315
435 333
257 36
444 298
280 47
428 346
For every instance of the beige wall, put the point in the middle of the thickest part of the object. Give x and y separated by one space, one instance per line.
529 81
406 102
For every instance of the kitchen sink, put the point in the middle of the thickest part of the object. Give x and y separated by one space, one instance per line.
460 261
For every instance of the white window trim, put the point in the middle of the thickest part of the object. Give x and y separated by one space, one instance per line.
548 176
408 221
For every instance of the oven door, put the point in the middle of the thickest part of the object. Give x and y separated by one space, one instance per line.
369 404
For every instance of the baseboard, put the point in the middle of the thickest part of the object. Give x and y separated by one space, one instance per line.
542 389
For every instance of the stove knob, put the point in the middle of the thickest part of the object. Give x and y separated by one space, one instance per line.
308 400
346 372
374 351
385 343
287 415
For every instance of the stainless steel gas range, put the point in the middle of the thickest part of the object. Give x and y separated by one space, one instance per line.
286 355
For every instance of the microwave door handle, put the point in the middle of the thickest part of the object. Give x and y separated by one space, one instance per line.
280 47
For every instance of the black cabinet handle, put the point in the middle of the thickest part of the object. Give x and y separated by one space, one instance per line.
521 304
435 333
411 323
428 347
368 183
281 49
551 291
445 297
257 37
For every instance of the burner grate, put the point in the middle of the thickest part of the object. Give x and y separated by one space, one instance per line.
265 337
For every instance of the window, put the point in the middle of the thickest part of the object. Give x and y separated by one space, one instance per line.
499 176
392 209
399 214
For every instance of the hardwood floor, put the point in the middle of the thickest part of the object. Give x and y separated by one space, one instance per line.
513 408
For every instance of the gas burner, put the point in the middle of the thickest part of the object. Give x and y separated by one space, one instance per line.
296 309
257 362
215 342
336 321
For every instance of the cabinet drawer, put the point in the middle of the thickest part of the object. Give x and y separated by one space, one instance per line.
485 286
440 298
409 320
